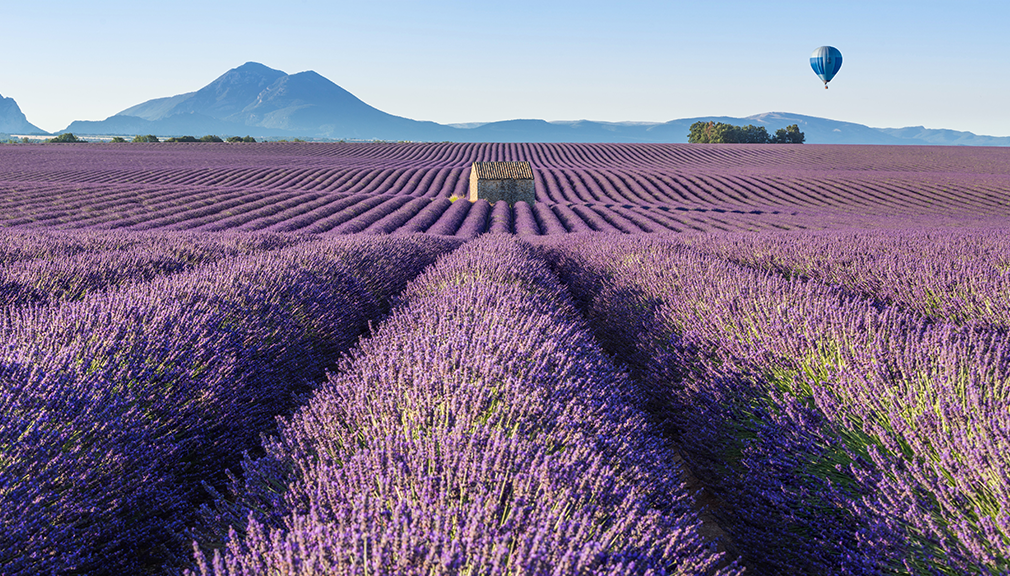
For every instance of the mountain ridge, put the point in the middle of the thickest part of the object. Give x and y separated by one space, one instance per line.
254 99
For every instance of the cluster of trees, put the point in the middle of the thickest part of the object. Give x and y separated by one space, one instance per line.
720 133
68 137
207 138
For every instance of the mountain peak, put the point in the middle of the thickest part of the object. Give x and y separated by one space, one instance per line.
255 66
13 121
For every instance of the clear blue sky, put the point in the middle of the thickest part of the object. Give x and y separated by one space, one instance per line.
934 63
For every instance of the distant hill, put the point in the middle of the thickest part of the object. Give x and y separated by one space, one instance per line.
259 101
945 137
13 121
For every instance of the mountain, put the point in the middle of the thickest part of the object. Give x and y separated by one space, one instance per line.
256 100
13 121
945 137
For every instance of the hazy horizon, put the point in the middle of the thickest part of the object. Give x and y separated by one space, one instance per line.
905 64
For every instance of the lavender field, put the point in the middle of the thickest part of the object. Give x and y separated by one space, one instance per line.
294 358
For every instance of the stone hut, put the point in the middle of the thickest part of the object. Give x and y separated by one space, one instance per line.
508 181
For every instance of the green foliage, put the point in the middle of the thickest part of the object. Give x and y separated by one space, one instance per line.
720 133
788 135
234 139
26 140
147 138
182 139
66 138
750 134
117 140
211 138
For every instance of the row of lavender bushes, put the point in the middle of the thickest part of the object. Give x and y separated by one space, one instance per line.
479 430
40 267
959 275
21 244
115 408
839 435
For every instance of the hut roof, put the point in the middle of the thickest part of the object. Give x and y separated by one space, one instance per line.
503 170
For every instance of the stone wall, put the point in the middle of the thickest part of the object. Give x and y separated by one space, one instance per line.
511 190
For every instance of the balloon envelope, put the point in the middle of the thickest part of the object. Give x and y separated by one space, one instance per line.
826 61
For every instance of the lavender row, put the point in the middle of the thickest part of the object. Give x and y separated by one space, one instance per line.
320 164
114 409
66 270
480 430
838 436
20 244
953 275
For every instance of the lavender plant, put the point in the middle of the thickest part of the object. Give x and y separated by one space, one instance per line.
116 408
959 275
117 259
479 430
843 437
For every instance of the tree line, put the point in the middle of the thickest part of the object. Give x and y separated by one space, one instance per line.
719 133
207 138
69 138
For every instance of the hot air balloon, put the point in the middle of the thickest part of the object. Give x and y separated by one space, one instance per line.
826 61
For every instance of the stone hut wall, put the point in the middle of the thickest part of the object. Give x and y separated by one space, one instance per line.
510 191
508 181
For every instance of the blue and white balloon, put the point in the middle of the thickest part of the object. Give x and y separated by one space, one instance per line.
826 61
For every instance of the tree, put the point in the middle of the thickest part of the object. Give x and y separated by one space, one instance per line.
706 132
750 134
211 138
235 139
117 140
789 135
720 133
182 139
66 138
147 138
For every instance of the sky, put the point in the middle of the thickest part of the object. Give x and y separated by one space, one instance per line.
937 64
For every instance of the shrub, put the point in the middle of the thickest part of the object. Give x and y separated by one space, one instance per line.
147 138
